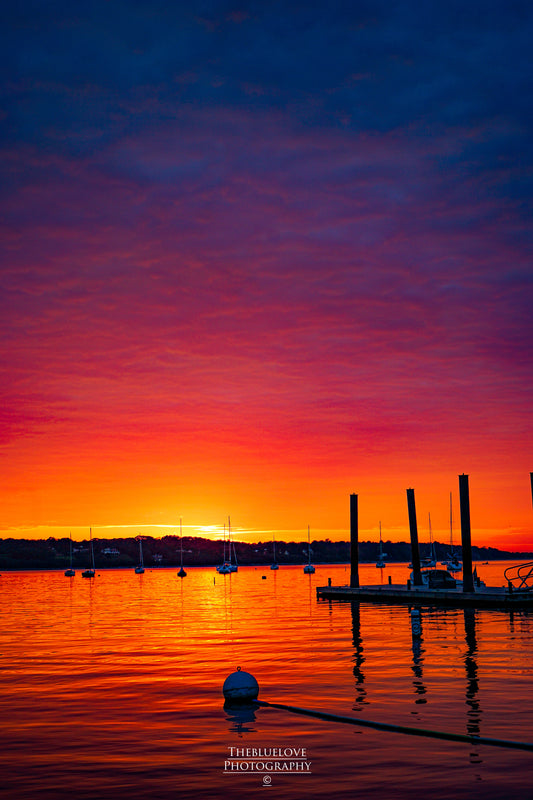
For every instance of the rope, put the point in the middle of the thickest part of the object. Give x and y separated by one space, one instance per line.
384 726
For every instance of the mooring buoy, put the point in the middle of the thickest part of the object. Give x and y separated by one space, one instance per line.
240 687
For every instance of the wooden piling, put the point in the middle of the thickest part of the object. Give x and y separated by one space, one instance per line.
464 499
354 543
413 531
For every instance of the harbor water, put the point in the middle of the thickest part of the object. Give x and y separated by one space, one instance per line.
112 688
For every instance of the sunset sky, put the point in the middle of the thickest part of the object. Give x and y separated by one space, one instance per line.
258 256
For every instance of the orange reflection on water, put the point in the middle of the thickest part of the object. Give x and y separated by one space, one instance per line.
113 685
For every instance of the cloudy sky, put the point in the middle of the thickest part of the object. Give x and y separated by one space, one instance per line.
257 256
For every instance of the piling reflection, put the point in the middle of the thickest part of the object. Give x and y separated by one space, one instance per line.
358 657
418 656
473 720
523 618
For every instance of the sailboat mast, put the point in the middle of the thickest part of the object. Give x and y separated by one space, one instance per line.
234 548
432 553
181 545
309 544
451 528
92 548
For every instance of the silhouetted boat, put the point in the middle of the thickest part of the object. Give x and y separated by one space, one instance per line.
225 567
233 567
70 572
431 561
381 557
181 573
437 579
274 564
309 568
452 563
90 573
139 569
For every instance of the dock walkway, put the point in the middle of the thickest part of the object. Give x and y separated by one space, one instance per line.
397 594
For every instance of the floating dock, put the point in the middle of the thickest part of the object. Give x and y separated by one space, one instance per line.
421 589
483 597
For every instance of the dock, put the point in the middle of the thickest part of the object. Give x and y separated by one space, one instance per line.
396 594
435 587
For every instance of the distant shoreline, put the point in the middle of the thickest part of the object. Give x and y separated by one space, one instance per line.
54 554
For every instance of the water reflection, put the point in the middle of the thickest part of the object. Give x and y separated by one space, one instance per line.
472 685
240 717
524 620
310 594
357 639
91 608
418 656
119 679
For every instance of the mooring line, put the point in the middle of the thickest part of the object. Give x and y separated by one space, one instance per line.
385 726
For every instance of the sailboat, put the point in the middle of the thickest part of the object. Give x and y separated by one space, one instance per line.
309 569
431 561
139 570
225 567
90 573
232 567
274 564
381 558
452 563
70 572
181 573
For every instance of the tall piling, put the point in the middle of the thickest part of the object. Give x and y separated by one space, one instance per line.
466 540
354 543
413 530
531 478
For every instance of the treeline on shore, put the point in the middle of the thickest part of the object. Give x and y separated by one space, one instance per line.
166 552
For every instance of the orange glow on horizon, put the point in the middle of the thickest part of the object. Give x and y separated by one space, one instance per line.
119 497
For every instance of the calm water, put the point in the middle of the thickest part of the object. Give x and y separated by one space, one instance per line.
112 687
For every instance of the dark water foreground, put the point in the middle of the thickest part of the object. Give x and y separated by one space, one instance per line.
111 688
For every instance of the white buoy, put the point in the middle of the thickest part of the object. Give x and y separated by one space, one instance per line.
240 687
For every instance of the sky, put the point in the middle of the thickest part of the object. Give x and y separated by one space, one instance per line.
258 256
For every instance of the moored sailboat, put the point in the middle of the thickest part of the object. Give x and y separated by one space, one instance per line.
431 561
225 567
90 573
381 557
233 566
139 569
274 564
70 572
181 572
309 568
452 563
